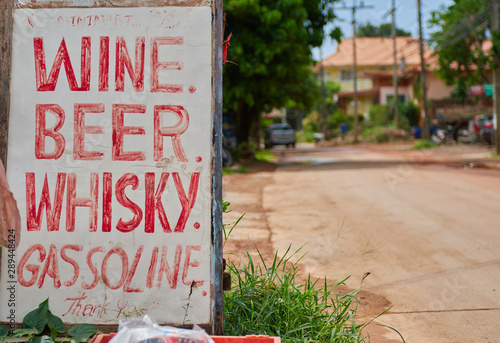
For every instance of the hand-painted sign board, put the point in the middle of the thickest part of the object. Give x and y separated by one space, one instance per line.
112 128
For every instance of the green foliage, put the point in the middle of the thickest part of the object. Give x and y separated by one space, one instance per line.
424 144
383 30
236 169
459 32
81 332
264 155
227 232
269 299
313 123
380 114
271 46
331 87
306 136
41 320
376 134
250 151
408 112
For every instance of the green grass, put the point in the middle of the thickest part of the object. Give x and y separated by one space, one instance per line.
263 155
424 144
376 134
270 299
239 169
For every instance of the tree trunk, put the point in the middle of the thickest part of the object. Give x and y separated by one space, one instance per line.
247 124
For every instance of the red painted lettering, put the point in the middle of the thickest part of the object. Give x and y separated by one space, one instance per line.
44 84
107 194
156 66
188 263
187 202
76 305
81 129
41 132
165 268
128 179
153 203
152 268
88 308
51 268
32 268
72 202
119 131
104 268
104 64
34 217
170 131
123 61
133 268
76 267
93 268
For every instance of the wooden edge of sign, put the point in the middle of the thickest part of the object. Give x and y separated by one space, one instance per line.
6 27
217 315
34 4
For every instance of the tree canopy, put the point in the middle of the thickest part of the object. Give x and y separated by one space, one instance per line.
383 30
460 33
271 56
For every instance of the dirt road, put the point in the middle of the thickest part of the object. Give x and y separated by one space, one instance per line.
425 226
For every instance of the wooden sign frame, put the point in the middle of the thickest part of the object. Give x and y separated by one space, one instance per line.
215 325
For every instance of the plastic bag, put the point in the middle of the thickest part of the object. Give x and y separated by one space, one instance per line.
146 330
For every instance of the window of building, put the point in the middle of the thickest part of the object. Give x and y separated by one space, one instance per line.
346 75
401 98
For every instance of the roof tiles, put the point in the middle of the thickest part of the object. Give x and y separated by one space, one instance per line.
377 51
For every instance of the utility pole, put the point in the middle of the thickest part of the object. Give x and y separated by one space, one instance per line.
496 80
395 66
354 7
355 72
324 127
425 112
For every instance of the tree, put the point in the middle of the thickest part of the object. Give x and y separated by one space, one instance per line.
271 54
460 33
384 30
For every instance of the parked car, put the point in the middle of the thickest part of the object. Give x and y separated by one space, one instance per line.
279 134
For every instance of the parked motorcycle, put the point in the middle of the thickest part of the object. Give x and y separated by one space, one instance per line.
466 137
487 134
443 136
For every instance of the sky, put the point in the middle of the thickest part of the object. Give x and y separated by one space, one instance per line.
406 17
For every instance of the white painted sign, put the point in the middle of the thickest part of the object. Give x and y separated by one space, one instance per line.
109 158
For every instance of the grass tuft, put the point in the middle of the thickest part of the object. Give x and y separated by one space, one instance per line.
263 155
271 299
424 144
236 169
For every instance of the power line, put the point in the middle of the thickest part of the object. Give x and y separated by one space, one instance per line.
354 8
466 26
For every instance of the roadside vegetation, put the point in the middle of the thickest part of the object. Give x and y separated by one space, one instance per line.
41 326
377 128
273 298
246 153
424 144
270 298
